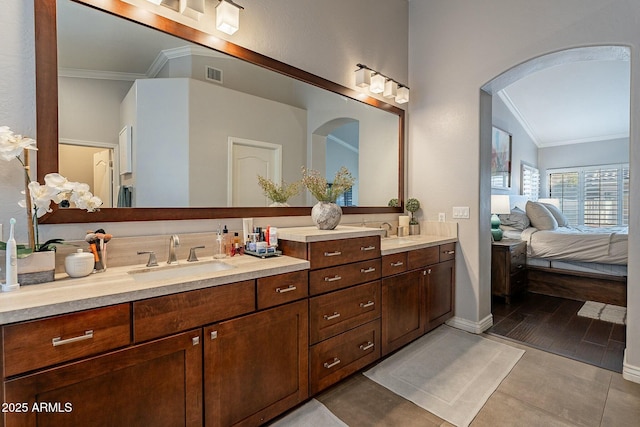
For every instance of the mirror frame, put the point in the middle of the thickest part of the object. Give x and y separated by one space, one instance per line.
46 61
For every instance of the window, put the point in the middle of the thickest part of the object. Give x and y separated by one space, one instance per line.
596 196
529 181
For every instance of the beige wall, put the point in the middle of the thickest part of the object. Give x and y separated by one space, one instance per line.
455 48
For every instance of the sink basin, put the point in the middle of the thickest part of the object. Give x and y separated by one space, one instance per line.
180 270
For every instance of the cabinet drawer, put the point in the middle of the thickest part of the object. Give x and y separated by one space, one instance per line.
336 252
518 282
39 343
334 278
394 264
518 261
422 257
166 315
276 290
447 252
338 357
336 312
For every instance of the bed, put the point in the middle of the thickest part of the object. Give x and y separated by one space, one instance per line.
581 263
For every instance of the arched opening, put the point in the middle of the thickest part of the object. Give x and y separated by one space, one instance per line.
572 126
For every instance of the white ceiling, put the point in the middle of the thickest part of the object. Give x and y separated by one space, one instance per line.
572 102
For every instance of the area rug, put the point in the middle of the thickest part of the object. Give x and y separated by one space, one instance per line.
606 312
311 414
448 372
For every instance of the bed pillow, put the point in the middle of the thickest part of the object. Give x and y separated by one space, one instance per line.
517 219
540 216
557 214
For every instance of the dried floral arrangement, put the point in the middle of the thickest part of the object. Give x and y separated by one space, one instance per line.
320 188
278 193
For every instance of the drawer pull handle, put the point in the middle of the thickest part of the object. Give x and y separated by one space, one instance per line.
214 335
367 304
520 266
366 346
287 289
331 364
59 341
332 279
195 340
367 270
449 252
335 315
428 271
367 248
397 264
332 253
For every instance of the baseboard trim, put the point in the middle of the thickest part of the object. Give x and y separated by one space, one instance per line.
630 372
469 326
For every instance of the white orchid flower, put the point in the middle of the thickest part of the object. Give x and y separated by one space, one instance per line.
11 145
41 197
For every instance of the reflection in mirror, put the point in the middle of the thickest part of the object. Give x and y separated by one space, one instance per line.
156 121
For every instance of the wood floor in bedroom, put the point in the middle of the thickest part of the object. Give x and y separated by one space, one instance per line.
552 324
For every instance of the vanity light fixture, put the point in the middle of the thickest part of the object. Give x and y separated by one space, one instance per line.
402 95
192 8
390 89
228 16
379 83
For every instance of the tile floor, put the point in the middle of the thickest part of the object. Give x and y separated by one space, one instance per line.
543 389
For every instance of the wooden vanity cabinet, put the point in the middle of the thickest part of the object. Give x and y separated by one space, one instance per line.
420 299
256 366
344 305
158 383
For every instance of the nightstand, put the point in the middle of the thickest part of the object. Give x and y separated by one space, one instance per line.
508 268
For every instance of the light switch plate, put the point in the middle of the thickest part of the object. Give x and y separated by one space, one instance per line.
461 212
442 217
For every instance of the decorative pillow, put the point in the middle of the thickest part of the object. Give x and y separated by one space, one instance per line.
517 219
557 214
540 216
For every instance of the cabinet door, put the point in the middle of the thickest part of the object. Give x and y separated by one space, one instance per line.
401 310
439 285
256 366
154 384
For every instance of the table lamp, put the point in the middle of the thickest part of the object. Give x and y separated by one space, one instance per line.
499 205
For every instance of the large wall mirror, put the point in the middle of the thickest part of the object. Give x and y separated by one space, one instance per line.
167 122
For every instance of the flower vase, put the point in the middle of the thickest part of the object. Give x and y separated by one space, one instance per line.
326 215
38 267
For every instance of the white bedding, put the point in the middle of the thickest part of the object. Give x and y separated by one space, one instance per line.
578 243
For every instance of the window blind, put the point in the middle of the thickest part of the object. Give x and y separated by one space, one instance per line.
529 181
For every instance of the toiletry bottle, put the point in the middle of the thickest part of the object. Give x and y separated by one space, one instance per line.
273 237
218 246
227 241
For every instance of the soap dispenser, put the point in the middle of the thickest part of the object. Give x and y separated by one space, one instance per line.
227 241
218 246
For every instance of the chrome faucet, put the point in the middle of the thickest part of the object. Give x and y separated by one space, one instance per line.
173 242
386 231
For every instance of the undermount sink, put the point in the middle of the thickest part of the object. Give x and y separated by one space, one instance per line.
173 271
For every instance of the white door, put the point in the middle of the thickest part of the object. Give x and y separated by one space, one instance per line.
102 177
247 160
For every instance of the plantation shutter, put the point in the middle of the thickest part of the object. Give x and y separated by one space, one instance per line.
564 186
530 182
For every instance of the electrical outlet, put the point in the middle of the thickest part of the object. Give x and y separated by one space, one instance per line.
442 217
461 212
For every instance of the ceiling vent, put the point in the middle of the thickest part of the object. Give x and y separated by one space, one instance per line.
214 75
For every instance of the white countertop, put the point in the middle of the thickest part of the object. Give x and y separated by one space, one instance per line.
395 244
117 285
313 234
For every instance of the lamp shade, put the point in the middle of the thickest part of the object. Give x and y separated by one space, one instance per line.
377 83
390 89
227 17
402 95
363 77
192 8
500 204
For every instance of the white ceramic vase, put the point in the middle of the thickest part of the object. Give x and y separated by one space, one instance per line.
326 215
279 205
